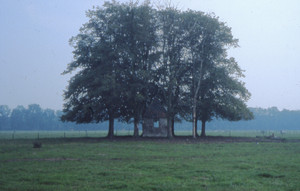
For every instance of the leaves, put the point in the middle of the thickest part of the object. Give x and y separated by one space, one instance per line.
129 54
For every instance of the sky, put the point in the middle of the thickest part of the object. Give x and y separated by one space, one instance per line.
35 50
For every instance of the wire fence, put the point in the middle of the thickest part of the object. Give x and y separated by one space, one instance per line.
6 135
49 134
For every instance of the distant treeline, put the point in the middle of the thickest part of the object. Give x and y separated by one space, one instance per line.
34 117
264 119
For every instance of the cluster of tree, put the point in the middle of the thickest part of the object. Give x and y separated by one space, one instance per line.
129 54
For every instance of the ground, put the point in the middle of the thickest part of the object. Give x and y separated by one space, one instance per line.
207 139
126 163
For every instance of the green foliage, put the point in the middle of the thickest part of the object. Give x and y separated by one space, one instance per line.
129 54
106 165
115 52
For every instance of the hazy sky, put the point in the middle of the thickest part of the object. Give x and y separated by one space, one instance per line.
34 48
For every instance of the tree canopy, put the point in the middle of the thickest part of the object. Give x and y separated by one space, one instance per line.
129 54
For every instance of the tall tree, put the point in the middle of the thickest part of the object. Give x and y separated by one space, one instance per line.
115 52
93 94
208 39
5 113
18 118
138 41
34 115
171 68
223 95
49 120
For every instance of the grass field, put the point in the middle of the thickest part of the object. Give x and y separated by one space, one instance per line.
101 164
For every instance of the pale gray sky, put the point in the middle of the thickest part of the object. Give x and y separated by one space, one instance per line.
34 48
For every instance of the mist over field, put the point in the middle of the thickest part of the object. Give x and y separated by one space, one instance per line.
35 118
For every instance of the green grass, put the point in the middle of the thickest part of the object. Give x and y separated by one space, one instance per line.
91 164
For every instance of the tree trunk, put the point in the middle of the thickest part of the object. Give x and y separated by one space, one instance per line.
195 106
136 128
170 114
111 127
203 129
173 130
169 133
196 127
196 93
194 118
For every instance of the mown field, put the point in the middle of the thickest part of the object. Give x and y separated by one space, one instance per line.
101 164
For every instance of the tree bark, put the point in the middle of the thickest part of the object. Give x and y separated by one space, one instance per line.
203 134
196 127
170 113
111 127
173 130
136 128
195 101
169 133
194 119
